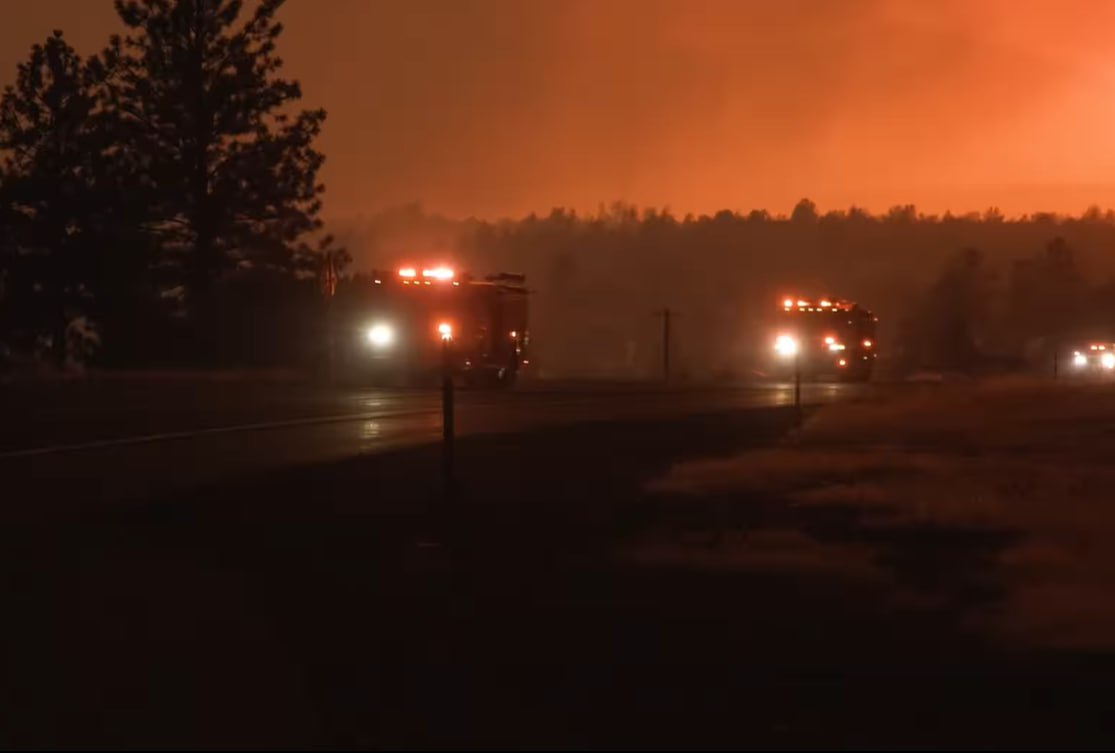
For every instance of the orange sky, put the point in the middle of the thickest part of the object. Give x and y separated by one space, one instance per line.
502 107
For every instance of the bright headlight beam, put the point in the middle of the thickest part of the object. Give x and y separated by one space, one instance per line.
380 335
1107 360
785 345
1079 360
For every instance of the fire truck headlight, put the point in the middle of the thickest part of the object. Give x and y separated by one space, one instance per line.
1079 360
1108 360
785 346
380 335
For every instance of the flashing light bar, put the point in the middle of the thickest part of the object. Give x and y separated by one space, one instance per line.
825 304
428 276
439 273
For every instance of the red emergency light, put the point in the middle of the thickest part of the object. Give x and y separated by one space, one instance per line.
826 304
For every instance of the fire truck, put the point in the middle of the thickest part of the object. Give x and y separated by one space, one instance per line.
824 337
409 325
1094 358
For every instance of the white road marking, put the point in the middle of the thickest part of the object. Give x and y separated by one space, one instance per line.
172 435
539 399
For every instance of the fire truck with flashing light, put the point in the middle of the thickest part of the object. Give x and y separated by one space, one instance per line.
409 325
824 337
1094 358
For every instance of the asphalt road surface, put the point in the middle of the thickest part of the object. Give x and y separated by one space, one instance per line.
87 441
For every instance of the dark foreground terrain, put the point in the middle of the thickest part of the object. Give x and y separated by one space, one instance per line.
323 607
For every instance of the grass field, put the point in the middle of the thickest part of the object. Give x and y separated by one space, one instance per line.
1027 465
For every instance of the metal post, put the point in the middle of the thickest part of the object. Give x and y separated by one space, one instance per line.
329 288
1056 358
331 337
666 344
447 417
797 382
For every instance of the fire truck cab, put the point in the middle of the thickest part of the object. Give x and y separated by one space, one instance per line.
409 325
824 337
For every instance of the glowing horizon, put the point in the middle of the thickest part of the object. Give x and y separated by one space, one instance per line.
501 108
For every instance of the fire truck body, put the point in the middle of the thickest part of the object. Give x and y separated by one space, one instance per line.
825 337
410 325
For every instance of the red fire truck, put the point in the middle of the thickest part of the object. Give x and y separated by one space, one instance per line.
824 337
407 325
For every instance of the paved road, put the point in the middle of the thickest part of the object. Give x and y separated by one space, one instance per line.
98 442
307 609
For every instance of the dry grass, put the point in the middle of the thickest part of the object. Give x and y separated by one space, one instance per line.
1035 460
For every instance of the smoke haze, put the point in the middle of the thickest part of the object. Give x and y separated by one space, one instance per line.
500 108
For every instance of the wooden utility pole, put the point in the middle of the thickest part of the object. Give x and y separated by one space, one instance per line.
329 288
666 313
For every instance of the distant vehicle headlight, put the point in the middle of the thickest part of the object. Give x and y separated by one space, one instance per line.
1079 360
380 335
786 346
1107 360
